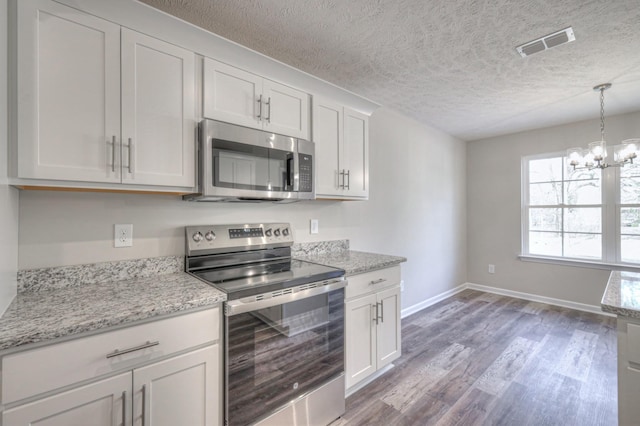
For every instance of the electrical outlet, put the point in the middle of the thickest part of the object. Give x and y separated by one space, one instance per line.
123 235
314 226
401 285
492 269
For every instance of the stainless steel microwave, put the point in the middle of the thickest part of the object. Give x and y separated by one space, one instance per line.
237 163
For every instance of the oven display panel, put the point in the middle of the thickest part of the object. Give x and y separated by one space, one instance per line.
246 233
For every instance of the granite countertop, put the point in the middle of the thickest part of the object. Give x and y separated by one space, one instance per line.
44 314
354 262
622 295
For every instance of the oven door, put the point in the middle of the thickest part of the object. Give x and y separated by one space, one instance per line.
281 348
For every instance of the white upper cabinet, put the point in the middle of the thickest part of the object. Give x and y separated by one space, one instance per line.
341 136
158 126
240 97
68 94
97 103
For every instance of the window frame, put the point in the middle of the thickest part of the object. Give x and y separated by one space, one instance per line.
611 219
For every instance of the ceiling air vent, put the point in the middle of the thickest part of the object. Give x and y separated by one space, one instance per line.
546 42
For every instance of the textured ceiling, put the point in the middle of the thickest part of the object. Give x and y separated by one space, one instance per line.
450 64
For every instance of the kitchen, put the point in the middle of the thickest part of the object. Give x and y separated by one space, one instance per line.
442 215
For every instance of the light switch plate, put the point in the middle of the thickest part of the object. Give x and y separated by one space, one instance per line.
314 226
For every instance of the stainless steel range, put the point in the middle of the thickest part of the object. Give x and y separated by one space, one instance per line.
283 325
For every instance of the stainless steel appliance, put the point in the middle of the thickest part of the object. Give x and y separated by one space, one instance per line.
237 163
283 324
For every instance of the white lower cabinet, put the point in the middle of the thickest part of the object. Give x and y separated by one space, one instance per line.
372 313
184 388
101 403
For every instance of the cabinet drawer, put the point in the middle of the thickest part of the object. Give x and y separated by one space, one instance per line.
372 281
35 371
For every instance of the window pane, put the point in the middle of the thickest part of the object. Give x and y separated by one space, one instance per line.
583 174
583 246
545 243
630 190
541 194
630 170
545 170
630 248
545 219
586 219
583 192
630 221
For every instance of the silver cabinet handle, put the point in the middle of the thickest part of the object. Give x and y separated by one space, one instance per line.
260 110
348 179
343 174
130 155
144 404
124 408
269 105
381 280
135 348
113 153
375 316
382 311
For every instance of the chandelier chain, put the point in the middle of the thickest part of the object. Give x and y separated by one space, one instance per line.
602 112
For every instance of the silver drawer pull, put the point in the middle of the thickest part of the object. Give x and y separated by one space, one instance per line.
381 280
136 348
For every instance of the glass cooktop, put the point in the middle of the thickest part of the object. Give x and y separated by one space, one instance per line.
263 277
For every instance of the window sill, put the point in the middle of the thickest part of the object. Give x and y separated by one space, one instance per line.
580 263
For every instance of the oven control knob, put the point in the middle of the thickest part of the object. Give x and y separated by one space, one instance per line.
268 232
285 232
197 237
210 236
276 232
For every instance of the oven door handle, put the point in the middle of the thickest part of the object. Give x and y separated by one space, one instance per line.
262 301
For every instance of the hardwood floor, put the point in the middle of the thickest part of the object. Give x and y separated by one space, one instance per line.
484 359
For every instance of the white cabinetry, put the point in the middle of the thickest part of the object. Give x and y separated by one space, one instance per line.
166 378
372 316
240 97
97 103
628 370
341 136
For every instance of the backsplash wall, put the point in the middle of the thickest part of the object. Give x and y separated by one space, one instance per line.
413 211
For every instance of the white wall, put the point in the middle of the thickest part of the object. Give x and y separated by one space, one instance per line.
493 202
416 209
8 195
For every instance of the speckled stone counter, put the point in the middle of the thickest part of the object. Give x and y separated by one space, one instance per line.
622 295
49 312
355 262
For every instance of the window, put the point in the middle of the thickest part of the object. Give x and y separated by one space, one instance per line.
589 215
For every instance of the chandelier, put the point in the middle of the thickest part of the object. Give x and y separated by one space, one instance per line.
595 156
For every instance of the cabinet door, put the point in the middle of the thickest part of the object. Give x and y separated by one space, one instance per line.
158 118
232 95
388 339
327 135
360 339
286 110
104 403
179 391
68 72
356 153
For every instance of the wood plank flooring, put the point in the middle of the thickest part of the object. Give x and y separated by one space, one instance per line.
484 359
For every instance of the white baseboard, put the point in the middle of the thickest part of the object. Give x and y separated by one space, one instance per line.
541 299
431 301
517 294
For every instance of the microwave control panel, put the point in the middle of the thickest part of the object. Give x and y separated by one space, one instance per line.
306 173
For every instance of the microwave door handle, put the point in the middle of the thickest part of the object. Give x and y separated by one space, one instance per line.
290 172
